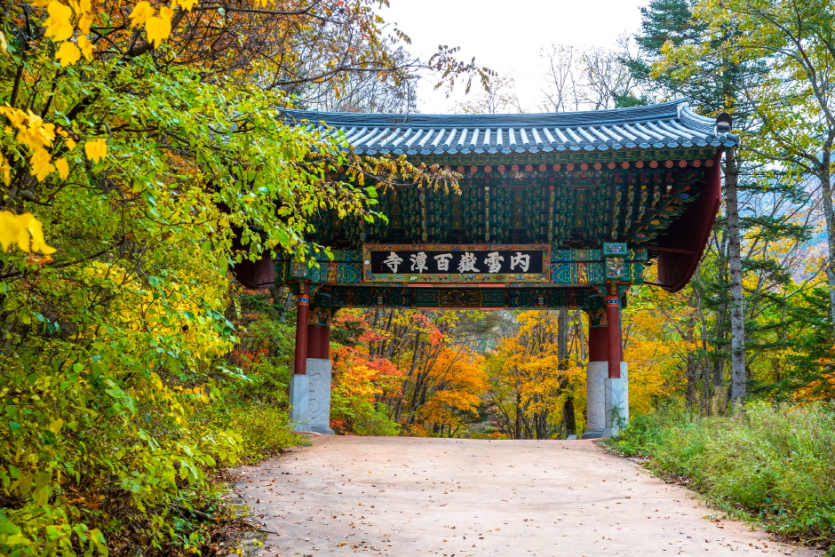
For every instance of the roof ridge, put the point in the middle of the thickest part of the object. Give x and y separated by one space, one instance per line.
593 117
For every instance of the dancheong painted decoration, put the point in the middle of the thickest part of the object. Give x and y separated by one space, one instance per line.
561 210
583 199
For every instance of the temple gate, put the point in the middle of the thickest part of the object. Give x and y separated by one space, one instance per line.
561 210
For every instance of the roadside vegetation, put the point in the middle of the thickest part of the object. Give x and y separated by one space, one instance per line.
143 154
773 464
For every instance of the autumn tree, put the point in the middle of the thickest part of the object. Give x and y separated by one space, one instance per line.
530 382
144 153
793 100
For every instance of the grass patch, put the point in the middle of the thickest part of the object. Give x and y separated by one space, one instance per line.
774 464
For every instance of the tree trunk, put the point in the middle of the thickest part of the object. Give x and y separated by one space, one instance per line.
739 376
581 340
824 176
517 434
562 338
568 416
562 355
692 379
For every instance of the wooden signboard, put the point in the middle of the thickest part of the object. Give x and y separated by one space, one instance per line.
456 263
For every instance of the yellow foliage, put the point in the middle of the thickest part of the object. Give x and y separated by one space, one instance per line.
68 54
41 166
659 337
84 24
159 28
32 131
529 376
86 47
187 5
63 168
58 26
140 309
141 13
5 170
24 230
96 150
462 374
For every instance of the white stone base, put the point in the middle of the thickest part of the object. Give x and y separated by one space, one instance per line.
300 402
617 402
319 373
596 373
310 398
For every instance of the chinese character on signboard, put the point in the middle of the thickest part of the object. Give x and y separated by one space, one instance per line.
473 263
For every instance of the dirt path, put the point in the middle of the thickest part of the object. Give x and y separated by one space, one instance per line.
401 496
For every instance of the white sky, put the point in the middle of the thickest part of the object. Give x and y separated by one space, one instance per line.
507 35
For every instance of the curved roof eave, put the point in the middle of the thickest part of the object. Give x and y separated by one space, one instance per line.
667 125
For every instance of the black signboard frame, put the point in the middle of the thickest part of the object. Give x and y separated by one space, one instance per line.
455 263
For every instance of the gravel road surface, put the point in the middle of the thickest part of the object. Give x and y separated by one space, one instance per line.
400 496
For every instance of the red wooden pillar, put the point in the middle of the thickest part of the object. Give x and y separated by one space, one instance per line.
613 328
302 316
598 344
319 339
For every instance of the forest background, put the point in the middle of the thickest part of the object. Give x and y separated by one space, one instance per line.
142 157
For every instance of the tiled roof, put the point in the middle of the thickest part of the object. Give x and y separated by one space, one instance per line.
668 125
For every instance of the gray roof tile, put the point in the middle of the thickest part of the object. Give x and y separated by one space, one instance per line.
667 125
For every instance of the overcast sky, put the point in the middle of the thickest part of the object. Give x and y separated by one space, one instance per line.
507 35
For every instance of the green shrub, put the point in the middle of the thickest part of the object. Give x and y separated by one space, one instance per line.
775 463
261 429
357 415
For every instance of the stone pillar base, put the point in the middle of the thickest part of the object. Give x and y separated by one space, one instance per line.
319 374
596 373
300 402
617 402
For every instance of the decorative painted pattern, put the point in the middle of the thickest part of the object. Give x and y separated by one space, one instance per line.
334 298
562 205
567 268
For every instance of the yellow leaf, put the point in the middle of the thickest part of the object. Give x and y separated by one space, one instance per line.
17 117
3 44
22 230
68 54
86 47
40 162
96 150
31 129
35 228
187 5
141 13
58 24
56 426
63 168
12 231
84 24
85 6
158 29
70 143
5 170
